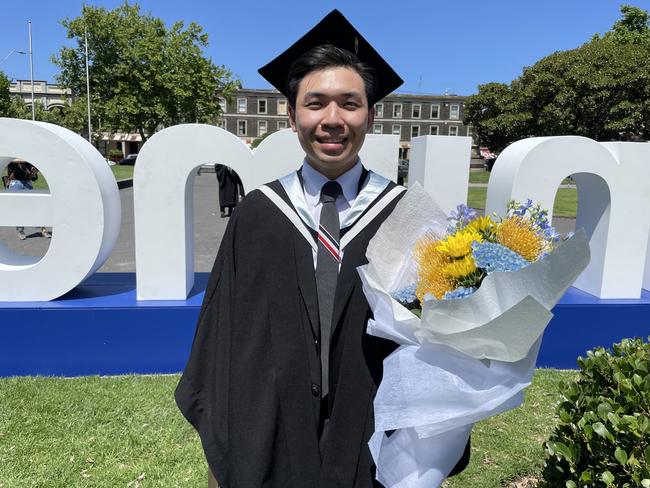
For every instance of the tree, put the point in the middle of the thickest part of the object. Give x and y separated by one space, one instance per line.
20 109
633 28
143 75
496 116
258 140
5 96
599 90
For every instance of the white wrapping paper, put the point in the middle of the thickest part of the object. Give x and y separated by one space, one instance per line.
465 360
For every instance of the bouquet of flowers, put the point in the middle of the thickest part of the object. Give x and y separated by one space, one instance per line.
468 304
455 265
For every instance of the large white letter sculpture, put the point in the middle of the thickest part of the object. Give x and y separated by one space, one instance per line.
83 205
440 164
83 208
163 193
613 181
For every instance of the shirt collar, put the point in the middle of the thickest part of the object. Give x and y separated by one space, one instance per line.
314 181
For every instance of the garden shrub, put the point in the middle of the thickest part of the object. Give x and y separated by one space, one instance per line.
115 154
603 435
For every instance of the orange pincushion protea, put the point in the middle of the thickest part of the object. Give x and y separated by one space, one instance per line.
431 264
516 234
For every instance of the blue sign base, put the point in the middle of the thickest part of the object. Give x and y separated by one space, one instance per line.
101 329
583 321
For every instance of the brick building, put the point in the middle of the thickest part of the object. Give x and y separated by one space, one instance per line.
254 112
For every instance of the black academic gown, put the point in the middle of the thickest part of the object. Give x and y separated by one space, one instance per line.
251 386
228 186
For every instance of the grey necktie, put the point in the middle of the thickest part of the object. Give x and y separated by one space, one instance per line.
327 271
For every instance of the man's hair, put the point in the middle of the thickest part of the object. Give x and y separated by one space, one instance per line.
329 56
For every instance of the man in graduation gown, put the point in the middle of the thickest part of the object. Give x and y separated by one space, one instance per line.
282 375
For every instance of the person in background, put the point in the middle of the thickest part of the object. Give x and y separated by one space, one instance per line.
20 175
228 189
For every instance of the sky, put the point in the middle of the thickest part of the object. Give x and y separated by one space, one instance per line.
436 46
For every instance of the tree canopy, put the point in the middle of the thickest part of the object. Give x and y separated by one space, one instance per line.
143 75
599 90
5 96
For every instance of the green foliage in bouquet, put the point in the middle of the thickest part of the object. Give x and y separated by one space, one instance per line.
603 436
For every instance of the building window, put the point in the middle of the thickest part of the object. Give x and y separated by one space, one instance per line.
435 111
241 127
282 107
469 131
261 105
222 123
282 124
223 105
453 130
397 111
377 129
379 110
241 105
262 128
397 130
417 108
433 130
415 130
454 112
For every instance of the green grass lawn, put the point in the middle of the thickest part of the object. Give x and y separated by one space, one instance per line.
482 176
122 172
566 200
96 432
479 176
126 431
476 197
119 172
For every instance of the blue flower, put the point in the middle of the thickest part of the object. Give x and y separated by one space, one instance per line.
523 208
405 295
460 217
551 234
460 292
493 257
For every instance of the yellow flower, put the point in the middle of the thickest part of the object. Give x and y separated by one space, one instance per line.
480 224
459 244
431 264
461 267
515 234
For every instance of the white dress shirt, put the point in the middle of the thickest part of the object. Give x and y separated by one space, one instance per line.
313 182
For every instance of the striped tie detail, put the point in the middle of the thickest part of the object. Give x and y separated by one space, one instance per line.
330 243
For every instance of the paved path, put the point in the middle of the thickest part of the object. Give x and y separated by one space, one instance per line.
208 230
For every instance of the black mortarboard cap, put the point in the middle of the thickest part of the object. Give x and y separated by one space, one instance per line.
334 29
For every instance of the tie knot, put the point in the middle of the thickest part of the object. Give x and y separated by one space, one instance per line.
330 192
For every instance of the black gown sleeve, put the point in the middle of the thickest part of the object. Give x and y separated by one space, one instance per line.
203 391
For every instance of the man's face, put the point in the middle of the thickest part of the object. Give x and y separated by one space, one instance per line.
331 119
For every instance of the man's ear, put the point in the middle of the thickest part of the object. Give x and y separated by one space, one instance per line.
371 117
292 118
